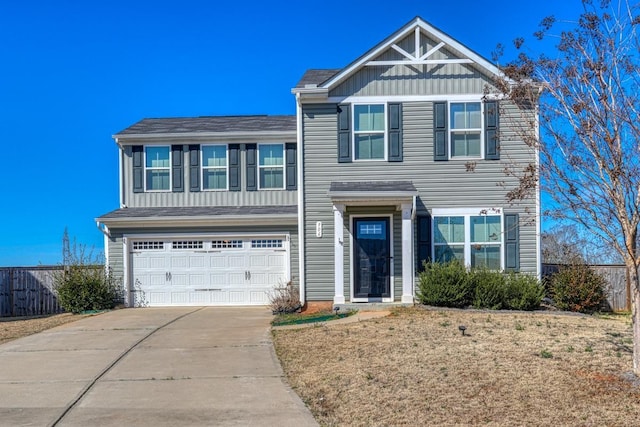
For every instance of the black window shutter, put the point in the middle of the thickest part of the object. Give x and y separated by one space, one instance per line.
177 171
252 167
344 133
234 167
424 240
440 132
395 132
137 152
291 166
491 125
511 242
194 168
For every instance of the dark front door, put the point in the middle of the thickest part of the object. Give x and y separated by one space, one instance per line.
372 258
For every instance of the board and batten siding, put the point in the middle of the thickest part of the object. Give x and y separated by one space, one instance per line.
202 198
401 80
116 248
445 184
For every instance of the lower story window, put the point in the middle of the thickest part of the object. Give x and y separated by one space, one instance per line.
473 238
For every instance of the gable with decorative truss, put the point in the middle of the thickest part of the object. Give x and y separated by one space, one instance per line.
418 59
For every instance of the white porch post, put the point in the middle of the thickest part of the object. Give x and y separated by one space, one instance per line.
338 249
407 253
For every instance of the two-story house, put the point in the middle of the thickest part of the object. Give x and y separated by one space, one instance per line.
395 159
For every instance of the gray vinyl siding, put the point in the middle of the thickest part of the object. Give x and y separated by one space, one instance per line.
401 80
445 184
202 198
116 253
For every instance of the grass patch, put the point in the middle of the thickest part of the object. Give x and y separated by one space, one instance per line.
421 373
301 318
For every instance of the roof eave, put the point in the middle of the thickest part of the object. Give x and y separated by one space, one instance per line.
204 135
186 221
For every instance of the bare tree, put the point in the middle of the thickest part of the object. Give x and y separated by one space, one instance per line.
589 127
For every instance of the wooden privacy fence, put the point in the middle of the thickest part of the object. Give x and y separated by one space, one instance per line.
618 289
27 291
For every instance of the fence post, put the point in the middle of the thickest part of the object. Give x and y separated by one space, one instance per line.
11 290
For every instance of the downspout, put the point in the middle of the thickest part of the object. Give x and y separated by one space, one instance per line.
538 208
106 234
301 231
120 173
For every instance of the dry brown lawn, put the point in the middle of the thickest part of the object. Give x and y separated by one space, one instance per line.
511 369
12 328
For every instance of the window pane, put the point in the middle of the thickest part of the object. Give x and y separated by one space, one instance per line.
473 115
271 154
157 179
271 178
457 116
449 229
465 115
368 117
465 144
446 253
369 147
214 179
214 155
485 256
157 157
485 229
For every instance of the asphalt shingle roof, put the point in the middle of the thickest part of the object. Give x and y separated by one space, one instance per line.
195 211
317 76
212 124
373 187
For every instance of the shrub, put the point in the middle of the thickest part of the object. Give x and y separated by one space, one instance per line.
578 287
489 289
285 299
86 287
83 283
445 284
522 292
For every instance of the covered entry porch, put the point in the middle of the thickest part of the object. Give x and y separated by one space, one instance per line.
373 241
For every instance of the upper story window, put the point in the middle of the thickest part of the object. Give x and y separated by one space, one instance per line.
466 129
474 239
369 132
214 167
271 166
158 168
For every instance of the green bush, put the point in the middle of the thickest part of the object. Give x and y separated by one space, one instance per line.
579 288
489 289
84 287
445 284
451 285
522 292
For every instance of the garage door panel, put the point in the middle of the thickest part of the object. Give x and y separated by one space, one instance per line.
197 261
236 261
216 272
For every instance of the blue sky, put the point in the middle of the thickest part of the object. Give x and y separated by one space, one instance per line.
73 73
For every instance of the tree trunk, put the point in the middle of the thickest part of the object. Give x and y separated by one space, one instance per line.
635 314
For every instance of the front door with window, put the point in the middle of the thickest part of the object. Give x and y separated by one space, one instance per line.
372 258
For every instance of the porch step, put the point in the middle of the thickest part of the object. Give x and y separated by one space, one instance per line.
370 306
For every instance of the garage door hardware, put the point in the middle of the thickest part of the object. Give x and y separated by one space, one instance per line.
206 290
167 276
247 275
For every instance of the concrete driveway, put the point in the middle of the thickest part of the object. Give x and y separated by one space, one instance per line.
150 367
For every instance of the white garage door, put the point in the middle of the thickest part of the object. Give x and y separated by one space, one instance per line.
207 271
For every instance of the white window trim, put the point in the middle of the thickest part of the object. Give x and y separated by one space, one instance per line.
352 283
450 129
467 213
226 167
284 168
383 132
168 190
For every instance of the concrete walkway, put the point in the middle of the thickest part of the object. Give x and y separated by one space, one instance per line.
150 367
